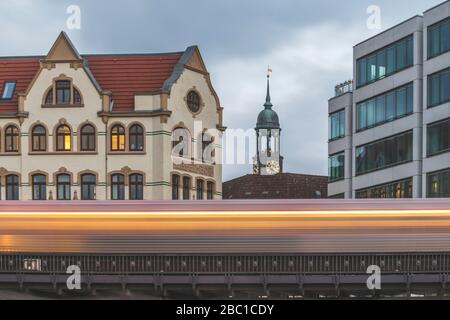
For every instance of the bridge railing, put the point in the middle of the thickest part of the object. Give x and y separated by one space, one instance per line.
227 264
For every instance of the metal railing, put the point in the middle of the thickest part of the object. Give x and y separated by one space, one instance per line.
343 88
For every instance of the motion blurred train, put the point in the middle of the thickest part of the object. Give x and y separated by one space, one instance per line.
226 227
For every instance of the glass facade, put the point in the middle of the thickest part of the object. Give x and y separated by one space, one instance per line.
438 137
386 61
439 38
392 190
336 125
438 184
386 107
384 153
439 88
336 165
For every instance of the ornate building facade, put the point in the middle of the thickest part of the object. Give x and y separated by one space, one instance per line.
88 127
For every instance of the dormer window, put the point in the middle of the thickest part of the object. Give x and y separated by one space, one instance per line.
8 90
62 92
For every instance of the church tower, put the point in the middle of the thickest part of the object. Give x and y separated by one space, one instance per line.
268 160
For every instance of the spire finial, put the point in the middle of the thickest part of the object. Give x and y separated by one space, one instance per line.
268 104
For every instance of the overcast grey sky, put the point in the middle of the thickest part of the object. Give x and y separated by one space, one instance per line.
308 44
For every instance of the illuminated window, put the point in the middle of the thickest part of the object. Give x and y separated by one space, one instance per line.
12 139
117 138
63 138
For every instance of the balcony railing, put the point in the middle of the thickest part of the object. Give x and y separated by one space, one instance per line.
343 88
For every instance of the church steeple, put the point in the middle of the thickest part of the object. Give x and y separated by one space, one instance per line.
268 160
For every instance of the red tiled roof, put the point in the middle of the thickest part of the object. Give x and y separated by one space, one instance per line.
123 75
280 186
21 70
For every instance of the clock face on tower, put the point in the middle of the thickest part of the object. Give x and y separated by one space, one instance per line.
272 167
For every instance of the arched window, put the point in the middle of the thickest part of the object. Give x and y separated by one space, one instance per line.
63 187
63 138
87 138
39 187
175 187
12 139
76 96
210 190
200 188
63 92
49 97
186 188
12 187
136 138
117 187
88 181
39 138
136 187
117 138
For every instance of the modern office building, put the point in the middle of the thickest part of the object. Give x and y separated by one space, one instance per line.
389 129
108 127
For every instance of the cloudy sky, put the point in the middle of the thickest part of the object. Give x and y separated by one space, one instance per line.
308 44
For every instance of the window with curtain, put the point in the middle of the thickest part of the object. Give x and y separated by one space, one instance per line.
385 62
336 125
39 138
12 139
386 107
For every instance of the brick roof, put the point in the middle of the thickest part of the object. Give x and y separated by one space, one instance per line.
123 75
280 186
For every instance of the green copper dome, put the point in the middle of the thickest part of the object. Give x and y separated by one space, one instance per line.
268 119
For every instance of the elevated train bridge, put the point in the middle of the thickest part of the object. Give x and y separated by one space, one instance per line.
289 249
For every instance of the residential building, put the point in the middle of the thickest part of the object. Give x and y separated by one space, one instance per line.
104 127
